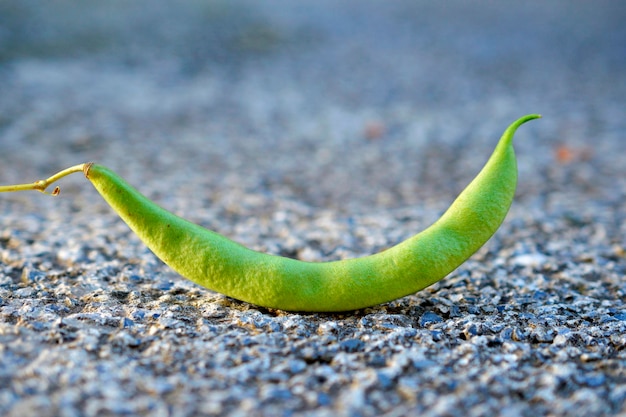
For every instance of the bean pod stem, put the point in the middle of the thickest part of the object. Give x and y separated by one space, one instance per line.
220 264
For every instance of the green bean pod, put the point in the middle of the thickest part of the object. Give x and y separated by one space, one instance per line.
218 263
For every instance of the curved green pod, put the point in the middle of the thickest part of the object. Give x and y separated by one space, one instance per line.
216 262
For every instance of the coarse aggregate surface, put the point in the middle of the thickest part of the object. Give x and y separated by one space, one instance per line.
317 130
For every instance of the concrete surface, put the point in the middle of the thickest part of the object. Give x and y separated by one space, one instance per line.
319 130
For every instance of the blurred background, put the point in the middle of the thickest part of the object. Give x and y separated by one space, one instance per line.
336 103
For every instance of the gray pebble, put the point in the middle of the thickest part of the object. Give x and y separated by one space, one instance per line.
429 318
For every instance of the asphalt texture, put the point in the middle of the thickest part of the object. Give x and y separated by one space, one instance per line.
316 130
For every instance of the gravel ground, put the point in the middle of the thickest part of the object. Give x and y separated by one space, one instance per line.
318 130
